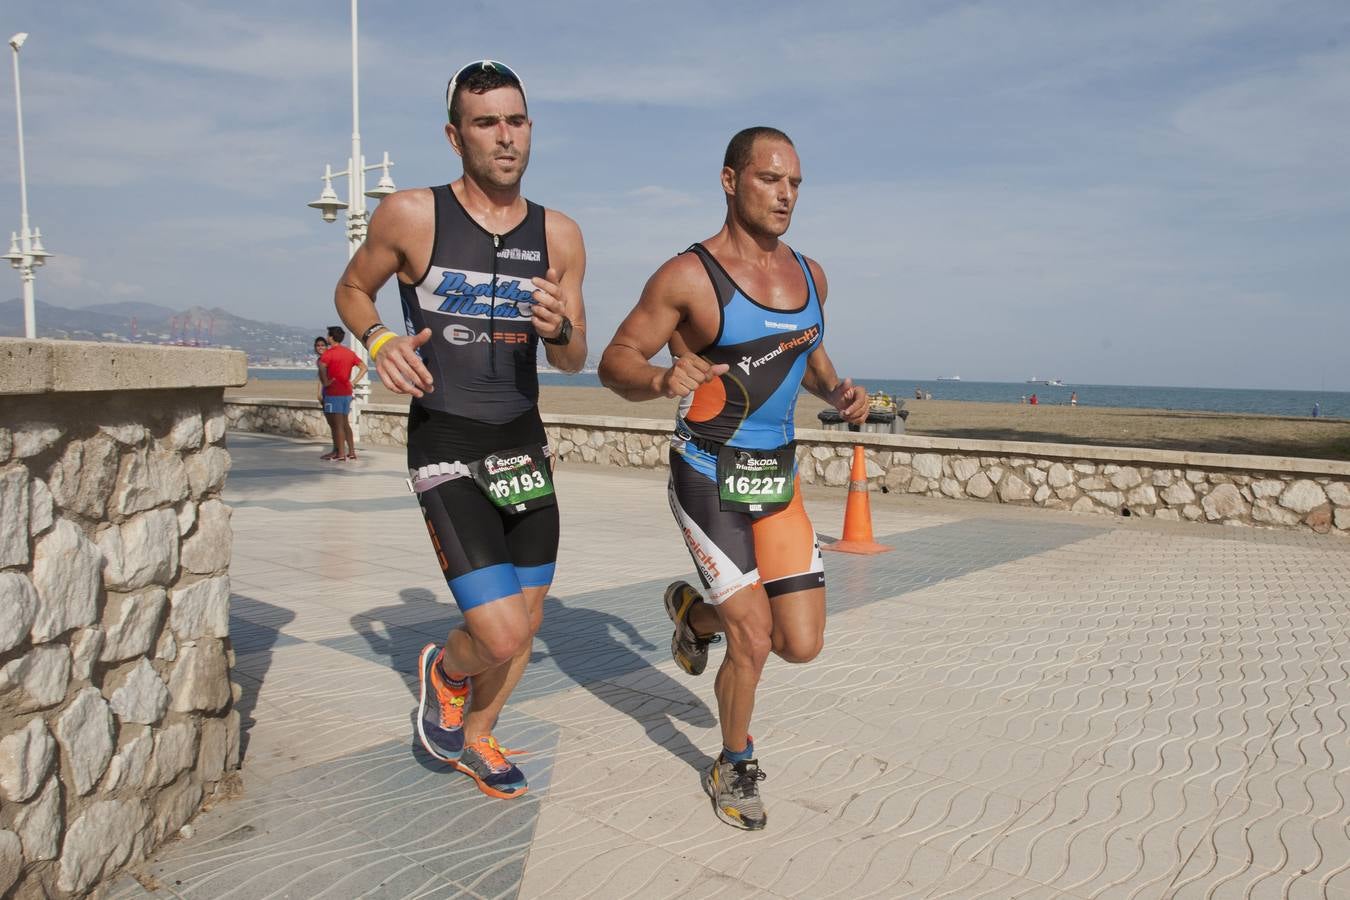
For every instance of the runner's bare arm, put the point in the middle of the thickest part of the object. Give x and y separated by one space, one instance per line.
821 378
558 294
625 367
382 255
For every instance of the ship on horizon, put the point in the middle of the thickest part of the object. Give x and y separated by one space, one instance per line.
949 378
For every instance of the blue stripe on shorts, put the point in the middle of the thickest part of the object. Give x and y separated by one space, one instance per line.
535 576
484 585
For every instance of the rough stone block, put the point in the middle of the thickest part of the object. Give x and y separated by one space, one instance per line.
1224 502
131 765
41 677
1162 478
207 551
1178 493
141 551
1085 468
215 746
103 838
1112 500
85 732
14 512
40 507
1059 476
200 679
950 487
187 432
1303 496
128 434
1338 493
1084 504
1093 483
1170 515
1042 494
979 486
25 757
39 824
964 468
1195 477
995 473
11 860
1012 489
1319 519
149 477
175 750
897 478
175 806
836 472
1142 495
206 471
213 428
18 609
34 438
1192 512
142 697
82 478
201 609
85 650
1126 478
1341 519
66 574
927 465
132 624
1268 513
1034 476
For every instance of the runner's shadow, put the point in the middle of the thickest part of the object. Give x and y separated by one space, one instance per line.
581 644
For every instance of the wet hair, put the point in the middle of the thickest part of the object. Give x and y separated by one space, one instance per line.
337 334
743 144
480 82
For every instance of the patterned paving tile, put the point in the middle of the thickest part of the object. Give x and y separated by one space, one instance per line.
1010 704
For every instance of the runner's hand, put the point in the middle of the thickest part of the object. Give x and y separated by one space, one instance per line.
851 401
401 369
548 311
688 374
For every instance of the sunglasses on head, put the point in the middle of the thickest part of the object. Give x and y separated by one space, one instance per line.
482 65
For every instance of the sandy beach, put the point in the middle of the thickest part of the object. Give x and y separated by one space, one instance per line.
1161 429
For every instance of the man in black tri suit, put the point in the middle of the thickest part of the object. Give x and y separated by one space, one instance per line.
483 275
751 310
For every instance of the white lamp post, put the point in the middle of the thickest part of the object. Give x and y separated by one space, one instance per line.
328 204
26 252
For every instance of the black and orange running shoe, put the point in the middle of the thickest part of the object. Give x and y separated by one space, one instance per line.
689 651
485 762
440 710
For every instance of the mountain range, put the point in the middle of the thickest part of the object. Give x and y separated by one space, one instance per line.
150 323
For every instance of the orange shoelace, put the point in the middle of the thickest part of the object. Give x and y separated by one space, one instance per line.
452 699
492 753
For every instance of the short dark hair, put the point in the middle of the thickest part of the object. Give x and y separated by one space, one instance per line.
480 82
321 337
743 144
337 333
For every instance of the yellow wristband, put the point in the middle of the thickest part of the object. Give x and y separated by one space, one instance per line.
380 342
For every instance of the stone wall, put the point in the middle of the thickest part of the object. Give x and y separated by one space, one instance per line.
116 717
1227 489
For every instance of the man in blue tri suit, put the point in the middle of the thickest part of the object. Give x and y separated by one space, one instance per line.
483 275
743 314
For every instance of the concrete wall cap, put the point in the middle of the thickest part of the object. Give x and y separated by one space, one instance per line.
53 367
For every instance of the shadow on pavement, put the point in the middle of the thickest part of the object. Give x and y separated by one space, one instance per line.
255 631
581 643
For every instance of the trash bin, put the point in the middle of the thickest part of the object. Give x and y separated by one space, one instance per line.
879 421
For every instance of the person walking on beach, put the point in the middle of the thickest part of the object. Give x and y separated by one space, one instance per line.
742 314
483 275
336 366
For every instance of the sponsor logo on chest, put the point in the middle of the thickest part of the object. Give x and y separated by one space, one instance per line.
470 295
806 337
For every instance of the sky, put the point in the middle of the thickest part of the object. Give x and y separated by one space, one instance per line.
1142 193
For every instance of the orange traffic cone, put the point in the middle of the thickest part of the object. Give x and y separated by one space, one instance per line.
858 513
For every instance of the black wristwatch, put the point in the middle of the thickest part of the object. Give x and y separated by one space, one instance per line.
564 334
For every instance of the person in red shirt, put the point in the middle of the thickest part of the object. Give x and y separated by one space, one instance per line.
336 366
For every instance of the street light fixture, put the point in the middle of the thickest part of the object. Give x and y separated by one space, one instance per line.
329 203
26 252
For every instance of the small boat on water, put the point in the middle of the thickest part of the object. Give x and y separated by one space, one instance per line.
949 378
1049 382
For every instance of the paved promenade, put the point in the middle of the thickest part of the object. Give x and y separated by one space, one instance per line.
1013 703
